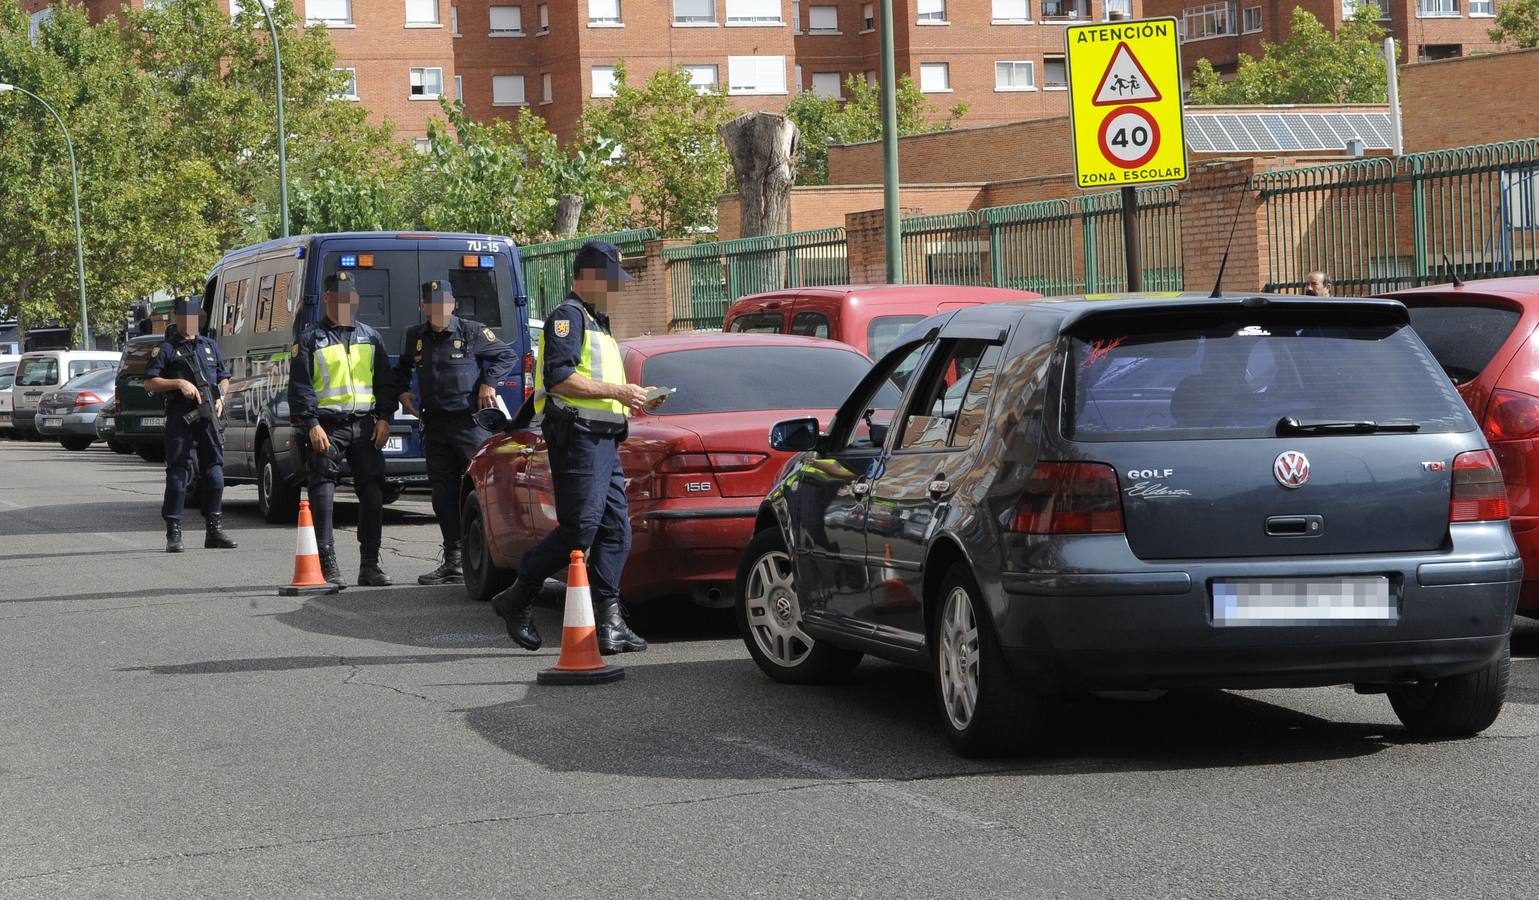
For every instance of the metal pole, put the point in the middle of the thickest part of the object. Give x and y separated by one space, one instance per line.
1395 128
1130 242
74 183
283 161
892 224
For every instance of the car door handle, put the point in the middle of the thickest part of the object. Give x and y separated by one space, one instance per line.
860 488
940 486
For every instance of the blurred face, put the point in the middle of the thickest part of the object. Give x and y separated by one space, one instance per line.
596 289
187 325
341 308
438 313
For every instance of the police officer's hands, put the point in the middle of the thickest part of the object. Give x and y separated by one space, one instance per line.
381 434
189 390
632 395
409 403
218 406
486 397
318 440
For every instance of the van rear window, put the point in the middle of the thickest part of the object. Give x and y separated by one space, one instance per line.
1464 338
1219 376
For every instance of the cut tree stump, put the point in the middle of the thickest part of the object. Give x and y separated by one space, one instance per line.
763 148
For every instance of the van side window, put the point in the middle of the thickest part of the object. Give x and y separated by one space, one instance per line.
264 310
759 323
810 324
234 306
282 316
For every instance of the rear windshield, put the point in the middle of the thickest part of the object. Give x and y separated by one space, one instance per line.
97 379
733 379
884 331
1222 376
390 290
38 372
1464 338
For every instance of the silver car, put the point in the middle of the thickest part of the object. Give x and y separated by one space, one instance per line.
69 414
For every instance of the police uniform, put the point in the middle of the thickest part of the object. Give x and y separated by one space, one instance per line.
340 379
191 434
451 366
582 437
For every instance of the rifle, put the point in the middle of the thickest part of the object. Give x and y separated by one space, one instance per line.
207 393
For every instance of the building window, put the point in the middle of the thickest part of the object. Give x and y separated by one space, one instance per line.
1065 9
1009 12
826 84
703 78
421 145
459 88
1430 52
1015 75
547 90
329 12
427 84
544 18
756 74
1212 20
796 16
1118 9
1349 8
1252 19
1437 9
349 89
824 20
868 17
694 12
507 90
507 21
421 12
1481 8
1055 74
604 13
796 79
603 81
932 12
935 78
753 12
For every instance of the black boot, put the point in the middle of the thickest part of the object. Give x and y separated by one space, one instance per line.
329 568
173 536
369 572
614 636
214 537
516 607
450 571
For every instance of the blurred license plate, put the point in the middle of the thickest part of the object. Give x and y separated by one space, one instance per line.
52 422
395 444
152 422
1303 601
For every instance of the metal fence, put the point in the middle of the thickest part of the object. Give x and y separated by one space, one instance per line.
1382 224
548 266
706 277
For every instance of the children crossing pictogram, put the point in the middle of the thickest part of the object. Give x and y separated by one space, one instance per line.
1125 81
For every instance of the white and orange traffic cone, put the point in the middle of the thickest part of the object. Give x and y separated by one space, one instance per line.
307 561
579 662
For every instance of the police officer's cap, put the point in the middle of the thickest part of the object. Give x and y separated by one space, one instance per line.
342 283
602 258
187 306
437 292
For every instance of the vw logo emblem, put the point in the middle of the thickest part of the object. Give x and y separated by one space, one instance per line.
1291 469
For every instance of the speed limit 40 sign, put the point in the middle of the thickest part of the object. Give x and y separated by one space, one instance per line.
1125 103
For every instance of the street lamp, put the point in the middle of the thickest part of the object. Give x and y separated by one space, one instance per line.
74 180
283 161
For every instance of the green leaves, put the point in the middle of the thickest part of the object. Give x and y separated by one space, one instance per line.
1311 66
1517 21
824 121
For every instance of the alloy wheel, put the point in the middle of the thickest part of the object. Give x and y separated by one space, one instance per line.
774 614
958 662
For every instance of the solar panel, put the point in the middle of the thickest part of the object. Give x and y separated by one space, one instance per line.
1236 132
1215 132
1330 137
1257 131
1281 133
1196 138
1285 130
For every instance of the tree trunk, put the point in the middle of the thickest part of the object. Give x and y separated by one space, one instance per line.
568 212
763 148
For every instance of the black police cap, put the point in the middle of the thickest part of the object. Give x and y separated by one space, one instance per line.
341 283
437 292
600 257
187 306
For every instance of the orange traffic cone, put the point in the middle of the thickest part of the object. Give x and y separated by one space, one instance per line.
892 592
580 662
307 561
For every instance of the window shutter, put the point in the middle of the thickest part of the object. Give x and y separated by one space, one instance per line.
507 19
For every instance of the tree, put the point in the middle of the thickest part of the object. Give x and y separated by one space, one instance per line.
823 121
1517 21
1311 66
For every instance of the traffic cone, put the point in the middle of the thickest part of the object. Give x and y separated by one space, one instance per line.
307 561
580 662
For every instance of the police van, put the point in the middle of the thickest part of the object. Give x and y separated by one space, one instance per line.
259 299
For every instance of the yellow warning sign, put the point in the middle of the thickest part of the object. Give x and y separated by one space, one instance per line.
1125 103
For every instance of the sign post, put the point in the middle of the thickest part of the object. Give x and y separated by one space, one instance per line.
1125 111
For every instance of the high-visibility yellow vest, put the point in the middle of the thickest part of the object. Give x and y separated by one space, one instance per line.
601 361
343 377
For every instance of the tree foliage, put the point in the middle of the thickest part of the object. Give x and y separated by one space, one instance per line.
824 121
1517 22
1311 66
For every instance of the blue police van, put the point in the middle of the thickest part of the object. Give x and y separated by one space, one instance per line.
259 298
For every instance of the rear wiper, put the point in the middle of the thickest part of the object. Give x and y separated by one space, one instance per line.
1289 425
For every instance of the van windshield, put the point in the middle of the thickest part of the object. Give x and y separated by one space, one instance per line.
38 372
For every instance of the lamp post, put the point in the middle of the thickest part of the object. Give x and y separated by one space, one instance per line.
74 181
892 224
283 161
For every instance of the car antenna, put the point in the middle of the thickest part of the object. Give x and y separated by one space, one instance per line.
1457 281
1223 263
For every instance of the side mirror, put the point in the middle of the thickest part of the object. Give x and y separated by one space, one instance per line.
491 419
795 435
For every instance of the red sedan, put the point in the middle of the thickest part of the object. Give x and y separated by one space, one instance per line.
696 467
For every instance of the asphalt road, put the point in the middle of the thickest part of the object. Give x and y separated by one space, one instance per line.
170 727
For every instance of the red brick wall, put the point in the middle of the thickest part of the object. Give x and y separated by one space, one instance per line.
1476 100
383 51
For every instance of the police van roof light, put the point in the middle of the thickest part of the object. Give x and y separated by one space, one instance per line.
488 262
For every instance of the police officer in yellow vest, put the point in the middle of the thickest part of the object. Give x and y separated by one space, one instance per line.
341 399
582 401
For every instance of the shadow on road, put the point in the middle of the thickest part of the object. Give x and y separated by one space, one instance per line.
292 663
147 594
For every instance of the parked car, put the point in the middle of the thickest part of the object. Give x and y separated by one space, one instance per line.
68 414
697 466
40 371
107 427
141 416
1143 494
7 379
1483 334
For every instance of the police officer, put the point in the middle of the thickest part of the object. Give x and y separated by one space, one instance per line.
341 399
183 366
458 362
582 396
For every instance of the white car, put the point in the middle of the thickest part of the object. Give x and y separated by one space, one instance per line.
41 371
7 376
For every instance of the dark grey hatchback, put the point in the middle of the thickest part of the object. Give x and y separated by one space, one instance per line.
1143 493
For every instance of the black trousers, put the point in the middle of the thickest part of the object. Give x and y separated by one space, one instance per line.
184 443
592 514
351 440
451 439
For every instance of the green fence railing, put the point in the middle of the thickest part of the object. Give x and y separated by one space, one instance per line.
1159 238
548 266
1031 246
706 277
943 249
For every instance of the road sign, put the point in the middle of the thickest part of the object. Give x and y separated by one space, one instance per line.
1125 103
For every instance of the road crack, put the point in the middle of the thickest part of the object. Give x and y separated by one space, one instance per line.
356 670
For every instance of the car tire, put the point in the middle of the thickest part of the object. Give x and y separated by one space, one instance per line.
983 707
1456 706
151 453
76 443
277 500
769 618
484 579
119 447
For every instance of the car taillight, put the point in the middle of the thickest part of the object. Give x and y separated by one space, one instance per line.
1069 498
681 463
1478 494
86 398
1512 416
528 375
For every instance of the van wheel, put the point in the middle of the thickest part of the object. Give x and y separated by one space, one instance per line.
1456 706
983 708
277 500
484 579
75 443
769 615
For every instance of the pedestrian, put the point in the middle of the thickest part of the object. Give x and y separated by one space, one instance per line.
583 401
459 363
188 368
341 399
1317 284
